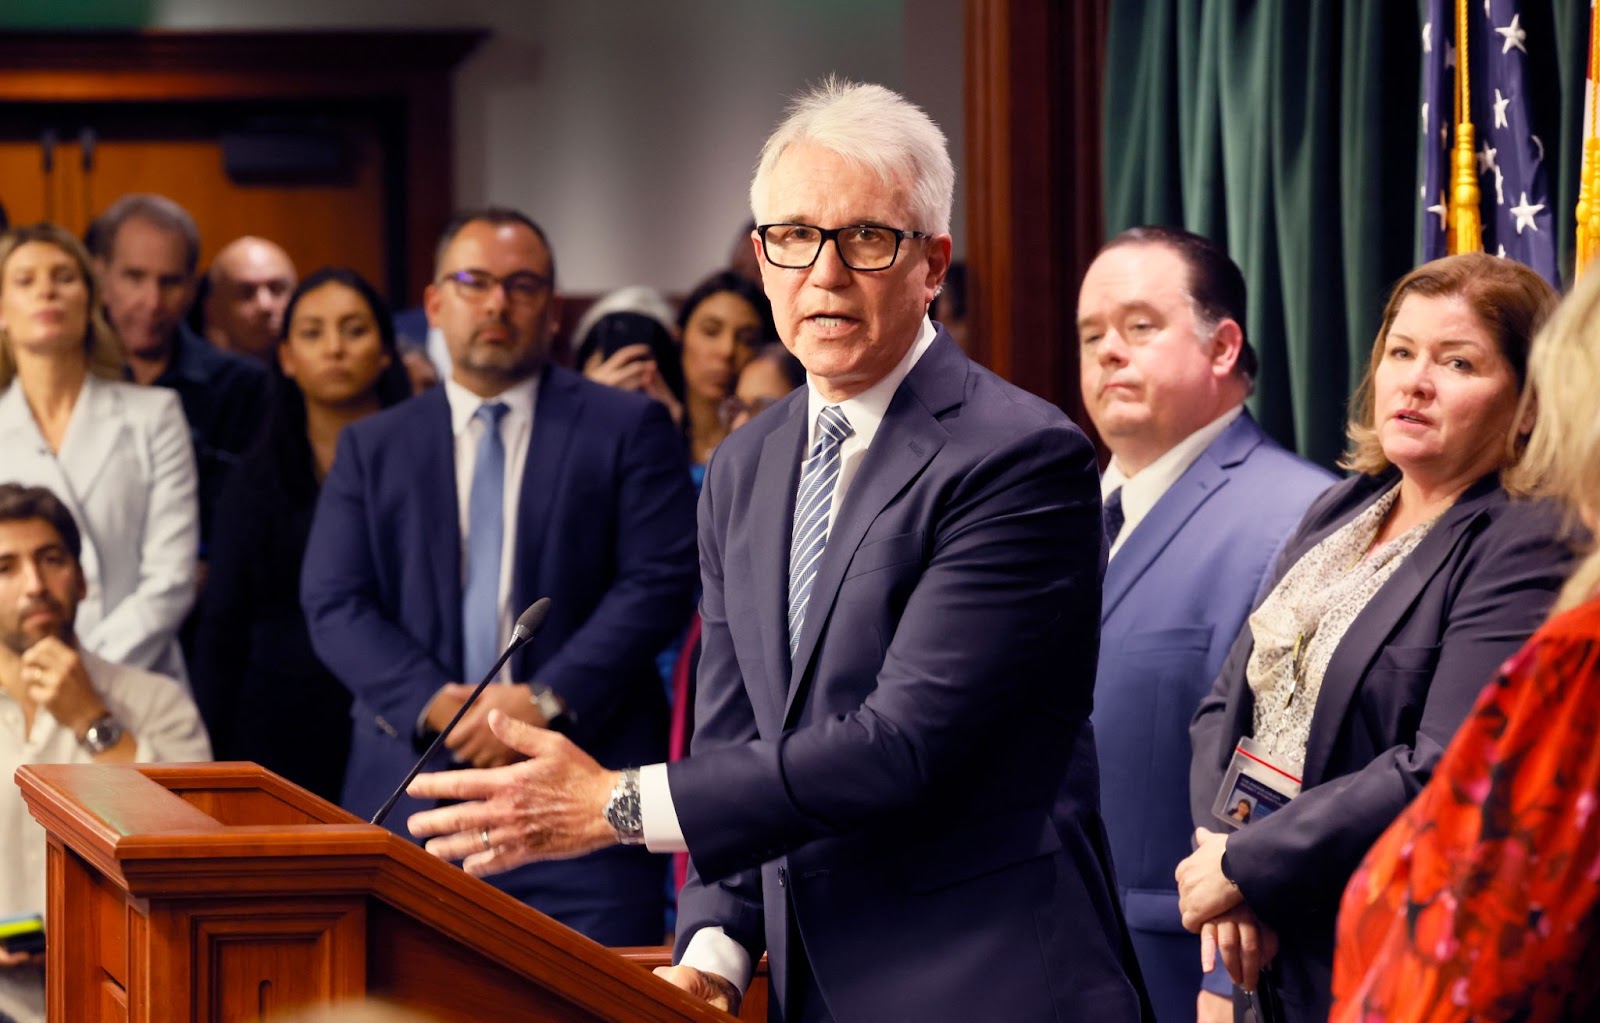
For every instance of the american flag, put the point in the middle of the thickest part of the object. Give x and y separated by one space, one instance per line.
1518 221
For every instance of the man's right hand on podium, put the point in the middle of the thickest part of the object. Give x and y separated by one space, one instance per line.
708 987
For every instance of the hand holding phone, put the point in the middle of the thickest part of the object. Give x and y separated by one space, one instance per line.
21 938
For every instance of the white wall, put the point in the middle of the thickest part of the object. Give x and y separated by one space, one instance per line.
629 128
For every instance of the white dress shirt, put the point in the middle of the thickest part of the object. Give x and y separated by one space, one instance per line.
1141 491
710 949
516 429
166 724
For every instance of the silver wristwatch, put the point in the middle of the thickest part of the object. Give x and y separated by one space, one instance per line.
623 812
104 733
557 716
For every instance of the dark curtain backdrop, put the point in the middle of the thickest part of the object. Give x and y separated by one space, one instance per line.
1288 132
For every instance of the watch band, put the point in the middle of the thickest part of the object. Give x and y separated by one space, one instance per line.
558 717
102 734
624 812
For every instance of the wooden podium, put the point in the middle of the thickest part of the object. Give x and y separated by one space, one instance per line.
214 893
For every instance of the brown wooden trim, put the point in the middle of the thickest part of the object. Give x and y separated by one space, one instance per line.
407 72
1033 71
350 56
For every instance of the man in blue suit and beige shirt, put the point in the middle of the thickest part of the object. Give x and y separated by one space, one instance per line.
1198 503
892 785
445 516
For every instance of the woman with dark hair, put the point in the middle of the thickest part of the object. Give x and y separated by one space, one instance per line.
720 325
262 691
771 374
1401 590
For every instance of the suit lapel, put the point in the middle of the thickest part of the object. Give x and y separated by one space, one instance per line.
19 434
1205 476
434 490
906 441
92 435
771 530
554 415
1372 628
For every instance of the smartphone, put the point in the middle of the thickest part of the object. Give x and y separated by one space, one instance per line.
619 330
22 933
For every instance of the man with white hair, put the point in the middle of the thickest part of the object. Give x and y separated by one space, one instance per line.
892 788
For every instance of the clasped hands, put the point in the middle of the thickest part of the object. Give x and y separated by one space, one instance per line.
1213 907
471 741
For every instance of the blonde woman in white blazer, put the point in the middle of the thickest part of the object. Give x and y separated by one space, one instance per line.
117 454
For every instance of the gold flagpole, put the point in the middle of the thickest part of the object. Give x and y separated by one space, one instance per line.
1589 176
1463 226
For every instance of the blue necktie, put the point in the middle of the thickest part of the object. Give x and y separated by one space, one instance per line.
1113 514
480 605
812 507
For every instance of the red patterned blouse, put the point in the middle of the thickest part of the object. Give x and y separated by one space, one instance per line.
1479 902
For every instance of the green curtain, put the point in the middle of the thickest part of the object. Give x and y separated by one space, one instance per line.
1287 132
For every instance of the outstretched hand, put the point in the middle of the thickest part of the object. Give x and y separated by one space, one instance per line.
550 806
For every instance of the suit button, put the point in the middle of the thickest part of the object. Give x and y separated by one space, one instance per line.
783 877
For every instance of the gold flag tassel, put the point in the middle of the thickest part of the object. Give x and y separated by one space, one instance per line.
1589 176
1463 224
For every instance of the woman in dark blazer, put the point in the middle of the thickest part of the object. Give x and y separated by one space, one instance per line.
1405 586
261 689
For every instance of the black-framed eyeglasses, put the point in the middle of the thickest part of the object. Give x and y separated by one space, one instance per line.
523 286
860 246
732 407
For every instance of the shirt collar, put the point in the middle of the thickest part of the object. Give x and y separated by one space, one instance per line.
518 398
866 410
1141 491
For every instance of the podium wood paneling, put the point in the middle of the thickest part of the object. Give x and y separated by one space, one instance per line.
215 893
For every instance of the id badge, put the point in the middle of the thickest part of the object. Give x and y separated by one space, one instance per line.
1253 788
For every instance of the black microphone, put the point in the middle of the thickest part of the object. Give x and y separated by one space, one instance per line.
527 624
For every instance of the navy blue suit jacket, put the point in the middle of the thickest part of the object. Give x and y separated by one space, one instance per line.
605 527
893 784
1398 686
1175 596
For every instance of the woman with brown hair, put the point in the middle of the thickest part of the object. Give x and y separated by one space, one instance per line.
1403 585
117 454
1480 902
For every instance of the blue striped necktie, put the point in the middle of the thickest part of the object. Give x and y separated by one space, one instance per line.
480 604
812 507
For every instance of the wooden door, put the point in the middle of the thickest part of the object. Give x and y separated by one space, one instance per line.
67 162
163 104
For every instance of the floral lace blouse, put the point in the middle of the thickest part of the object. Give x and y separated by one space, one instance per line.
1299 626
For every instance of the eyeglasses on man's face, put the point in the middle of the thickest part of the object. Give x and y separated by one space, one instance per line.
860 246
732 407
524 286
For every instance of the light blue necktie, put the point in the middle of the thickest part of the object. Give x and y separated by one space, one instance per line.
812 507
480 605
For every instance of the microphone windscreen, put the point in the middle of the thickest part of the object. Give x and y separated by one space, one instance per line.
529 621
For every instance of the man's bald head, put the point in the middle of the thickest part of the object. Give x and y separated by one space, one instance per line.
249 284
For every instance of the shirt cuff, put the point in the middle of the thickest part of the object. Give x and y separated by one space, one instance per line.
662 833
710 950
